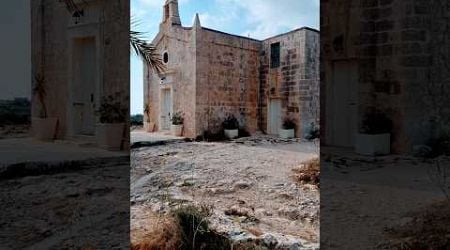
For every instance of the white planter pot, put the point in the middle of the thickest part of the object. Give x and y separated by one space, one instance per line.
109 135
231 133
287 133
177 130
44 129
377 144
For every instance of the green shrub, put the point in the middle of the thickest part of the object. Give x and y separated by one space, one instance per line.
177 118
230 123
376 122
137 120
312 132
289 123
111 109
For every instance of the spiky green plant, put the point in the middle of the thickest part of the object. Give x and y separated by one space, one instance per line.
143 49
147 111
146 51
40 91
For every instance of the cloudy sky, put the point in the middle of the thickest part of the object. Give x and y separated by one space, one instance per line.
15 50
258 19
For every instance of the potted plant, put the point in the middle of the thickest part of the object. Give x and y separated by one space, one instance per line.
112 116
312 132
148 126
374 138
288 129
177 124
44 127
231 127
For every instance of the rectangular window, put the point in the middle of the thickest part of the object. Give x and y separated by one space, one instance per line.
275 55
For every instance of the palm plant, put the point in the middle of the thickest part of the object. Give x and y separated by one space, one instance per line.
177 118
143 49
39 90
146 51
147 111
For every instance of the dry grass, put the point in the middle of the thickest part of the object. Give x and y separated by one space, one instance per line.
186 227
428 229
308 172
166 236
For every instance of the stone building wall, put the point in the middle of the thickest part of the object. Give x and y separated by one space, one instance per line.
227 80
213 75
295 81
339 36
53 30
179 42
49 20
394 43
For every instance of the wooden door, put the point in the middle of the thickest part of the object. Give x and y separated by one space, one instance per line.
84 90
274 117
166 109
342 105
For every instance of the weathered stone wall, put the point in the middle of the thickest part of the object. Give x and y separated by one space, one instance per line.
339 35
179 43
295 82
49 20
227 80
52 31
115 59
394 45
213 75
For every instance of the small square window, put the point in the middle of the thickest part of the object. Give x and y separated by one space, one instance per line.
275 55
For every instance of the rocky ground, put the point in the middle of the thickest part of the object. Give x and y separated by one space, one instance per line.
14 131
364 198
247 182
67 210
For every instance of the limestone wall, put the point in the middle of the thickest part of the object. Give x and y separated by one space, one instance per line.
399 47
213 75
50 57
295 81
53 31
179 43
227 80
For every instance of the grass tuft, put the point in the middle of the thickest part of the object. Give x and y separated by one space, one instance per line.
309 173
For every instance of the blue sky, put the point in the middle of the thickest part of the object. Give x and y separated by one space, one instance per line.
255 18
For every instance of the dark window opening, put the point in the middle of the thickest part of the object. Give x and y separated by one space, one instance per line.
166 57
275 55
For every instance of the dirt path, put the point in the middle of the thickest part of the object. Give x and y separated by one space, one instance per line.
361 199
82 214
248 184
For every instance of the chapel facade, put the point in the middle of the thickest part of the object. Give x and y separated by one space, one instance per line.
210 75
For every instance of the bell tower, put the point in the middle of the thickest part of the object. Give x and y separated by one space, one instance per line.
171 14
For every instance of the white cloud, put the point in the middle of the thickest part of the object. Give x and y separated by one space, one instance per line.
271 17
223 20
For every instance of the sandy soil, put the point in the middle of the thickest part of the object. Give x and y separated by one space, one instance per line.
361 198
72 210
252 176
